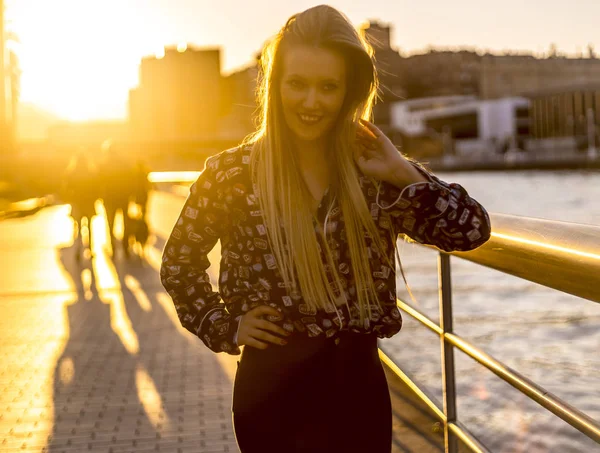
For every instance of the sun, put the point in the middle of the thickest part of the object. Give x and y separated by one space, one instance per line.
79 60
79 83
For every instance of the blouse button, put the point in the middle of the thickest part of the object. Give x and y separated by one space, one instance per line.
337 341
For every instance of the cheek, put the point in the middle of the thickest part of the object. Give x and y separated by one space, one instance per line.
334 104
289 98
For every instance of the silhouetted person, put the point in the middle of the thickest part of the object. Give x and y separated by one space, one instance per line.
136 230
117 186
82 192
141 186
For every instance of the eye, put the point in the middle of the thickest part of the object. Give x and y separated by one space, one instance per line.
329 86
296 84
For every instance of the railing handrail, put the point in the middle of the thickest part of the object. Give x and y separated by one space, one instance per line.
559 255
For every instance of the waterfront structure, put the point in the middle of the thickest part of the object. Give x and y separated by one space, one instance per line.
463 125
466 72
566 117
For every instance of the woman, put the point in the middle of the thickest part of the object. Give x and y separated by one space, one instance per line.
307 211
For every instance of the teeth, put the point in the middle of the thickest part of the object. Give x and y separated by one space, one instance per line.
310 118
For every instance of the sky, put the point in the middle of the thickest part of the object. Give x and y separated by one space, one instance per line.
80 57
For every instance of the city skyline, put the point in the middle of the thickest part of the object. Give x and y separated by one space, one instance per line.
82 69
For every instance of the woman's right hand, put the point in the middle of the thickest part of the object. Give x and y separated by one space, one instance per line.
257 332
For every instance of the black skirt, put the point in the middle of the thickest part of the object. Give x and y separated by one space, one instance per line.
313 395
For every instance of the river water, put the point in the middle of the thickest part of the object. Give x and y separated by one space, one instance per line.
551 337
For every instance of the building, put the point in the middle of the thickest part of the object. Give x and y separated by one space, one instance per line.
179 96
469 73
566 117
462 125
441 73
387 62
239 103
516 75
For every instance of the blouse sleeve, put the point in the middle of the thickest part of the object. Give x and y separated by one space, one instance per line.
435 213
185 260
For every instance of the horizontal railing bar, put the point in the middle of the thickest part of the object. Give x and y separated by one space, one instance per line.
560 255
414 387
423 319
561 409
458 429
467 438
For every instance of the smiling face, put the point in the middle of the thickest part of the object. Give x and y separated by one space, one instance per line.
312 89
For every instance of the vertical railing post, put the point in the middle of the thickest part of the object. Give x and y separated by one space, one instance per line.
447 351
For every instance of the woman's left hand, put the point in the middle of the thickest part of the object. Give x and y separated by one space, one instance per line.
378 158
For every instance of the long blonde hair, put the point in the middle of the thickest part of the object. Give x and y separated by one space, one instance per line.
283 194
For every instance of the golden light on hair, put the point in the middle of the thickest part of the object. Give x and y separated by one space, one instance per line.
283 195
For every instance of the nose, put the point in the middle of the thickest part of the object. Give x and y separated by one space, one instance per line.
311 100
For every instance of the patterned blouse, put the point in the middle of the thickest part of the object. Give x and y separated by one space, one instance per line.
223 205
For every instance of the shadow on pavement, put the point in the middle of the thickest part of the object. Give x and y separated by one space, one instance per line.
129 377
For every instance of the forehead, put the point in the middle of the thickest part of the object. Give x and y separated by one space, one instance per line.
313 63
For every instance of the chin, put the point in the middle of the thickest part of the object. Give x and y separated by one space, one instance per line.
310 136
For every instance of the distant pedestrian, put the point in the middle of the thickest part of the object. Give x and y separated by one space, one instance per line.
136 228
82 191
117 185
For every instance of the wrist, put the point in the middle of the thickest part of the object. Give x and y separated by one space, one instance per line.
406 174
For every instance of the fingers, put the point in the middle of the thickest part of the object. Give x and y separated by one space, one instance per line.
362 133
253 336
258 332
267 337
256 344
366 139
264 310
367 143
269 326
371 129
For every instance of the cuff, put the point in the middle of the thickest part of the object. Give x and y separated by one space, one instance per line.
390 188
218 330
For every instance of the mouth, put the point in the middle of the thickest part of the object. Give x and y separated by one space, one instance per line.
309 120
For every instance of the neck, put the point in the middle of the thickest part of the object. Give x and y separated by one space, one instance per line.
311 156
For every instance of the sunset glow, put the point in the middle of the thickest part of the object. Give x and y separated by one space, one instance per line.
80 58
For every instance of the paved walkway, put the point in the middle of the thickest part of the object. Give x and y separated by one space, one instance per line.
92 356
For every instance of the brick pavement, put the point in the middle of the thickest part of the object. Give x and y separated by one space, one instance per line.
92 355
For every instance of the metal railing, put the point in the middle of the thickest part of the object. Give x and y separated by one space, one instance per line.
559 255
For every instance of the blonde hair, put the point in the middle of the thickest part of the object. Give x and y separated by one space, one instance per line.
283 194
